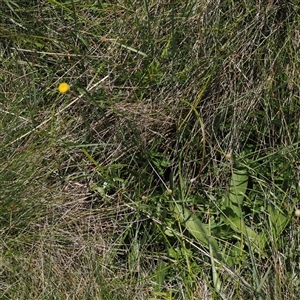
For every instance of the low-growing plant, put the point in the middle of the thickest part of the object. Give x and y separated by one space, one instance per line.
149 150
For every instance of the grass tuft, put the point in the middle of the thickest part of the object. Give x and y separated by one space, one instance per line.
149 150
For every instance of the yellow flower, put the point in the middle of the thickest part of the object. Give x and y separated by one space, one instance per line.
63 87
297 212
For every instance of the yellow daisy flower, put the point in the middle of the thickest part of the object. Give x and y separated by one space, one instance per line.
63 88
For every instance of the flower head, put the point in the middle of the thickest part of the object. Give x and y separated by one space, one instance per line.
63 87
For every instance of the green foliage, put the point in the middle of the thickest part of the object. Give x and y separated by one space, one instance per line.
171 168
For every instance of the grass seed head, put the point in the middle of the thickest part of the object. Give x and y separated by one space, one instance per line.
169 191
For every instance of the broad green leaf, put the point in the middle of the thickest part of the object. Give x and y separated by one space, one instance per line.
198 229
278 219
237 224
232 209
237 190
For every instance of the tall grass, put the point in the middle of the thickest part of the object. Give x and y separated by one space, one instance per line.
171 168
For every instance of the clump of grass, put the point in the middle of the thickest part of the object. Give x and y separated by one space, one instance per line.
168 170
